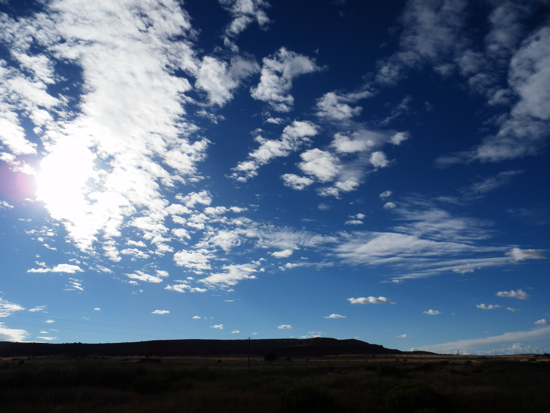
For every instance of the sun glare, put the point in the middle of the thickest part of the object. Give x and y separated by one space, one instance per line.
61 181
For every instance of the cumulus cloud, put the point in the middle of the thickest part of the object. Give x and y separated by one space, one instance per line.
522 295
431 312
282 254
385 194
141 276
389 205
161 312
278 72
542 321
293 137
403 336
232 275
296 182
66 268
243 13
218 326
488 307
219 79
370 300
285 327
336 316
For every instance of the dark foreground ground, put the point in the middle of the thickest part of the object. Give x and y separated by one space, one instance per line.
381 383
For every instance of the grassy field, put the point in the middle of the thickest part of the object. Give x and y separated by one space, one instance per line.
327 384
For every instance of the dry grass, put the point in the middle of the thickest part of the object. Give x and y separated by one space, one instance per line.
205 385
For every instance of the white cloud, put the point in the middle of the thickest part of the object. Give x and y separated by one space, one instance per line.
141 276
196 317
161 312
218 326
389 205
399 138
130 111
477 346
282 254
293 137
519 255
379 160
219 80
512 309
243 13
335 107
336 316
403 336
49 321
278 72
66 268
10 334
296 182
285 327
522 295
542 321
431 312
198 260
320 164
353 222
488 307
97 309
7 308
37 309
235 332
370 300
385 194
232 275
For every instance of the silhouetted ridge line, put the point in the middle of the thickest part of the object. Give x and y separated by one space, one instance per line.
282 347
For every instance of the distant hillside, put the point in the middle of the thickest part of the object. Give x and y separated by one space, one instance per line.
281 347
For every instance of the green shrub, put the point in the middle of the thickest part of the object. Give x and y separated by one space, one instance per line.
412 397
307 399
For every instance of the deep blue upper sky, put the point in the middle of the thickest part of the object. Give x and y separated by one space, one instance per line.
245 168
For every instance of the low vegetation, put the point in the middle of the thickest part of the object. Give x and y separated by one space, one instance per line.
385 384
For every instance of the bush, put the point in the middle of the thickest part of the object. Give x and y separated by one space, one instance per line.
412 397
307 399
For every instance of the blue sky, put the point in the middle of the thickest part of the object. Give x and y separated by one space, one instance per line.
243 168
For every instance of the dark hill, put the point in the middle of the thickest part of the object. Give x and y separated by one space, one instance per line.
282 347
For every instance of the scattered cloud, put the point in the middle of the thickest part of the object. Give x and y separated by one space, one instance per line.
285 327
218 326
488 307
66 268
542 321
522 295
431 312
336 316
294 136
370 300
7 308
161 312
235 332
282 254
278 72
403 336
